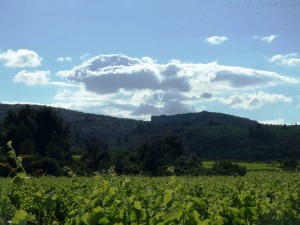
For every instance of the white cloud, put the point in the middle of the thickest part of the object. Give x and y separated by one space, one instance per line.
85 57
63 84
291 59
118 105
39 78
253 101
20 58
122 86
63 59
216 40
267 39
106 74
20 102
32 78
279 121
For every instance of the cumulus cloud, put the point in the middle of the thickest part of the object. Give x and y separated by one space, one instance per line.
105 74
21 58
206 95
254 101
118 105
292 59
170 108
32 78
108 82
216 40
176 107
109 73
146 109
267 39
64 59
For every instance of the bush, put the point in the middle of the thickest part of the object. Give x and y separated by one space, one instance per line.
5 169
290 164
228 168
27 161
48 165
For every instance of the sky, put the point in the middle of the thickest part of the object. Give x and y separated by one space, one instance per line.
137 58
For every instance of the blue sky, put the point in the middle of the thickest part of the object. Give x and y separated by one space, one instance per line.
137 58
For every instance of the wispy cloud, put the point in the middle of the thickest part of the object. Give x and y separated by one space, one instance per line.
39 77
279 121
291 59
85 57
63 59
254 100
216 40
21 58
267 39
32 78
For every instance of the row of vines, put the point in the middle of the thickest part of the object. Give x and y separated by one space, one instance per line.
258 198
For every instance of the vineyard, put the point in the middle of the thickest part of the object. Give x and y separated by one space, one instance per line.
266 198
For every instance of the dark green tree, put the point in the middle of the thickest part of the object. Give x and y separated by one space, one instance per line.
95 149
38 131
159 153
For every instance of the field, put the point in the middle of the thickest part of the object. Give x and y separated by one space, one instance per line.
266 198
251 166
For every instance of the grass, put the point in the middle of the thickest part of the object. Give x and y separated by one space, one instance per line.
251 166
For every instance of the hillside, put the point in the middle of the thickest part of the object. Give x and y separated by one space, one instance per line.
210 135
85 125
203 118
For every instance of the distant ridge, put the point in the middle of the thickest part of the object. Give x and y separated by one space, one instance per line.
86 125
204 118
126 133
208 134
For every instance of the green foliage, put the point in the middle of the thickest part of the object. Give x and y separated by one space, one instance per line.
290 164
20 218
228 168
5 169
102 142
257 198
37 132
95 152
48 165
16 159
158 153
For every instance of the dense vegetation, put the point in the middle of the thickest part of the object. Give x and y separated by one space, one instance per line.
42 139
211 136
257 198
39 136
47 145
43 144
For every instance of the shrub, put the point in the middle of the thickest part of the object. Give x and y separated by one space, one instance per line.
49 165
27 161
228 168
5 169
290 164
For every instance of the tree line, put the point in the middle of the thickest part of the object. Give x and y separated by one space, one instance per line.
44 142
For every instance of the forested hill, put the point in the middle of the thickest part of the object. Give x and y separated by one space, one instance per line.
204 118
84 126
209 135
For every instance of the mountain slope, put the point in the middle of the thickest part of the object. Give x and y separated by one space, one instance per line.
84 126
210 135
204 118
